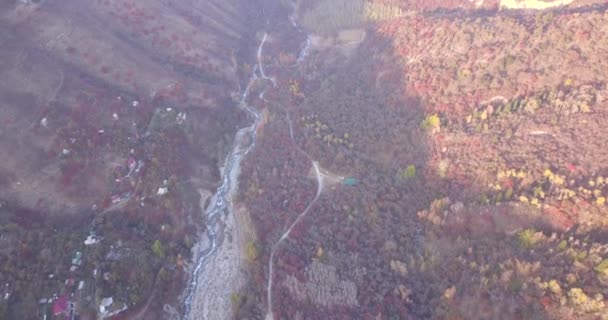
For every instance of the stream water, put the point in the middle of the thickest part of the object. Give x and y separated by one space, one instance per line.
221 204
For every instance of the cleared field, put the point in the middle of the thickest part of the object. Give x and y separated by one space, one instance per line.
533 4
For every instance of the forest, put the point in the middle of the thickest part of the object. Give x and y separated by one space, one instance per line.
116 117
462 163
413 159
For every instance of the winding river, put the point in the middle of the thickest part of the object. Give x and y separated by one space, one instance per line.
216 261
221 202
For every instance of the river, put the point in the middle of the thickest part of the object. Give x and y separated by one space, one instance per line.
216 270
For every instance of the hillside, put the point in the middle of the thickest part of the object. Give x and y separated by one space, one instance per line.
432 160
115 118
303 159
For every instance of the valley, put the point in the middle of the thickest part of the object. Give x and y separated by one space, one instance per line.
290 159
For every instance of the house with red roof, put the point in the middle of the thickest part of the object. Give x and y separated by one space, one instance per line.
61 306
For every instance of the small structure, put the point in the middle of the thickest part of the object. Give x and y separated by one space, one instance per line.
162 191
43 306
115 198
77 260
105 305
70 282
131 163
118 198
350 182
108 308
61 306
92 239
181 118
7 293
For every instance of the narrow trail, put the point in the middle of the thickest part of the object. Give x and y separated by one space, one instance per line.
320 176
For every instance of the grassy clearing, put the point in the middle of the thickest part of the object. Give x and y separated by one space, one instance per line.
331 16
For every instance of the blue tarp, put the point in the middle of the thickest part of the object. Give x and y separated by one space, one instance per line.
349 181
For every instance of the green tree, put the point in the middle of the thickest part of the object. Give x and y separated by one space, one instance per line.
431 123
409 172
602 268
158 249
252 251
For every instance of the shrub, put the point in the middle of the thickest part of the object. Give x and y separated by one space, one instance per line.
554 287
431 123
409 172
236 300
158 249
252 252
602 268
442 168
577 296
528 238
